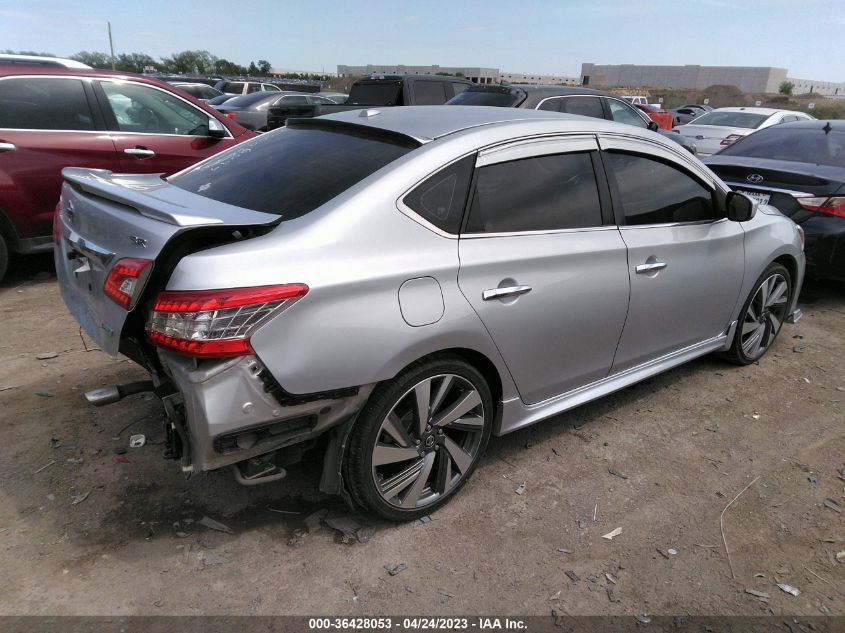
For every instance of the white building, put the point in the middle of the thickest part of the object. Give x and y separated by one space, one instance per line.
532 78
473 73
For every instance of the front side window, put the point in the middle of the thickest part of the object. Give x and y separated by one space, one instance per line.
292 171
149 110
440 199
585 106
44 103
544 193
623 113
652 192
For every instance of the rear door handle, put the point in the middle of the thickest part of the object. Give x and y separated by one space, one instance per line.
650 267
7 147
140 152
499 293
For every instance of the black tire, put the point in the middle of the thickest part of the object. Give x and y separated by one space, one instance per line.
770 319
4 257
359 471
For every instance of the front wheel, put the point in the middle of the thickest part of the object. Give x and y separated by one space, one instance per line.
762 315
419 438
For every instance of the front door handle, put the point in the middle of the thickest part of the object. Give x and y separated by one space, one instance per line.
7 147
650 267
140 152
500 293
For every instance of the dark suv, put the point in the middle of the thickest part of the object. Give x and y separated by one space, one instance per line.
56 117
566 99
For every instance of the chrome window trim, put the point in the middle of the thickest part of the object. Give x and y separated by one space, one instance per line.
475 236
530 148
113 80
669 225
791 192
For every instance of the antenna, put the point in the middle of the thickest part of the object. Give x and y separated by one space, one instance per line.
827 127
111 46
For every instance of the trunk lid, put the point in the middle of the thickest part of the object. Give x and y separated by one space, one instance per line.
107 217
708 138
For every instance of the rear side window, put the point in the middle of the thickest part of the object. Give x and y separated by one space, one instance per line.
536 194
652 192
500 97
234 87
293 170
585 106
47 103
441 198
429 92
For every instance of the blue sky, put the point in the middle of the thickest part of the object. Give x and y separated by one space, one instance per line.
534 36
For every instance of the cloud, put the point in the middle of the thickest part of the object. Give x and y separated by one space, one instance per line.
477 29
18 15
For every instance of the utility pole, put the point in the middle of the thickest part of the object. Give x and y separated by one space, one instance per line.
111 46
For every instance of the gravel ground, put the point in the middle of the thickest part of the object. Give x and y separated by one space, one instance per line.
86 531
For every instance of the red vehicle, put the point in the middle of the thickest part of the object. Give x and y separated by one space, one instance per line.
664 120
53 117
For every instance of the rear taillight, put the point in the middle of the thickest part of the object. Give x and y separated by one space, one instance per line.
125 280
730 139
57 225
231 115
822 204
216 323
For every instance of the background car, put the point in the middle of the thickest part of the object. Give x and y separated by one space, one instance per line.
687 113
800 169
719 128
200 91
238 87
337 97
38 60
411 282
663 118
569 100
221 99
251 110
54 117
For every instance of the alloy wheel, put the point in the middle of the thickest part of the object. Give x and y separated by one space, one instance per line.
428 441
764 316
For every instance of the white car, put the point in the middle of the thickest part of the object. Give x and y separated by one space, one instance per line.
720 127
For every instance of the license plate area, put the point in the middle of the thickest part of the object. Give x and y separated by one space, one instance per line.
762 198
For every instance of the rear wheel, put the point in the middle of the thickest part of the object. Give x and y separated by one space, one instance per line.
762 315
419 438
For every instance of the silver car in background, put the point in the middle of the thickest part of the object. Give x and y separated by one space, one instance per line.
405 283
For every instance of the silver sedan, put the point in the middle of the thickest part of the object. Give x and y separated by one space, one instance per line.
405 283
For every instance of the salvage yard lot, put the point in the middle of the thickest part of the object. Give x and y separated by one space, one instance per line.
84 530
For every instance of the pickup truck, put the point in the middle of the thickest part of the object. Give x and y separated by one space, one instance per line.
380 91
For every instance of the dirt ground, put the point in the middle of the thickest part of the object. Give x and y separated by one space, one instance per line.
86 531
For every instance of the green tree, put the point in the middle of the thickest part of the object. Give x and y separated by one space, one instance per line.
135 62
93 58
201 62
225 67
252 70
786 87
36 53
264 67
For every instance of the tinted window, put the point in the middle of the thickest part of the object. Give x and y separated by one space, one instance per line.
290 171
251 87
271 88
375 93
234 87
44 104
623 113
429 93
440 199
585 106
732 119
458 88
799 144
501 97
536 194
652 192
145 109
551 105
293 100
199 91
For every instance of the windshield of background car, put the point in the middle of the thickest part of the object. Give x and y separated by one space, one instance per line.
800 145
293 170
375 93
732 119
251 99
500 98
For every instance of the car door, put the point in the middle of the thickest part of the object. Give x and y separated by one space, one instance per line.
154 130
685 259
46 123
543 264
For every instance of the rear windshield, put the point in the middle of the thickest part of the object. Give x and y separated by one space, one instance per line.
801 145
199 91
293 170
747 120
384 93
486 98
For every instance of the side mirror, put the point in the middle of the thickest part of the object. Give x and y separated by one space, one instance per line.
653 126
740 207
215 128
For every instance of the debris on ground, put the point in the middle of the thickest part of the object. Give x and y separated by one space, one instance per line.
46 355
643 619
425 519
830 503
445 593
758 594
282 511
521 488
364 534
211 524
43 394
813 479
616 473
673 552
80 498
137 441
44 467
789 589
610 578
314 521
798 349
395 569
662 553
349 527
564 551
609 536
119 451
572 576
582 524
554 450
840 556
8 387
555 596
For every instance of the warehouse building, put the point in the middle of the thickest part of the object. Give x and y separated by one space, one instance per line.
536 78
473 73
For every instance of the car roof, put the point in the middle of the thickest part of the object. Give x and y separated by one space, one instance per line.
41 60
812 124
550 91
752 110
426 123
